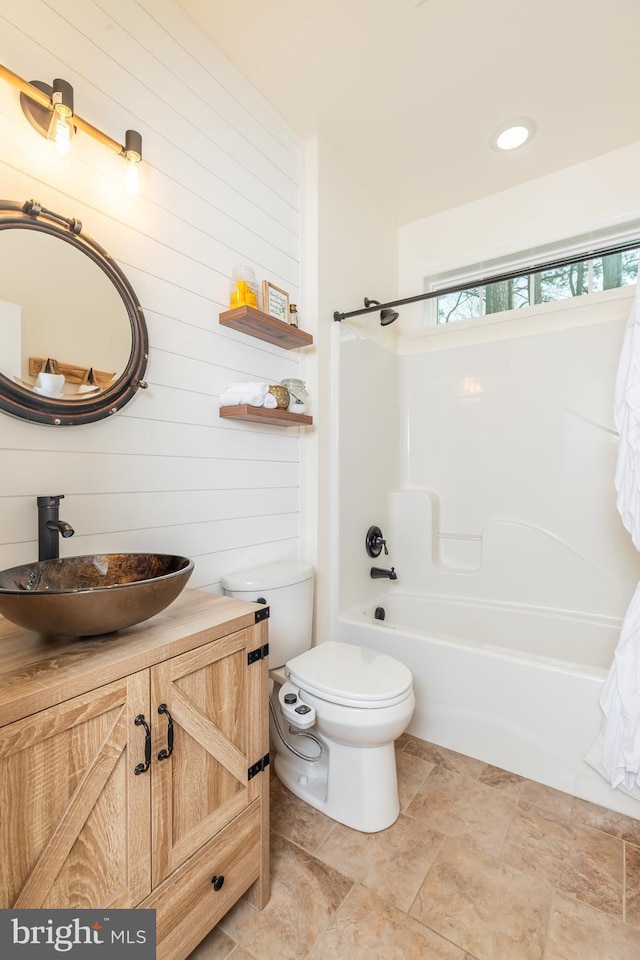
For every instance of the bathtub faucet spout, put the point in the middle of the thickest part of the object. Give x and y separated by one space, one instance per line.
377 573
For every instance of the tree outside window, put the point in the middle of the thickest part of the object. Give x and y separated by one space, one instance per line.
562 283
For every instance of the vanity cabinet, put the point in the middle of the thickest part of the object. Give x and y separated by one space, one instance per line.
133 767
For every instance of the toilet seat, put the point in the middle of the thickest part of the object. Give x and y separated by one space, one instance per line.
351 676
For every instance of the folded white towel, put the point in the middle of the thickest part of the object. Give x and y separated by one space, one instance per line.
253 388
232 398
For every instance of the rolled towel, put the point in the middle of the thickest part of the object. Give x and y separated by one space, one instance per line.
252 388
251 393
233 398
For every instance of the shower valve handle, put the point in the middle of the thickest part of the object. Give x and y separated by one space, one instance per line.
375 542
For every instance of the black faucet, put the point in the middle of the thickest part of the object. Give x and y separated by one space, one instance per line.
377 573
51 527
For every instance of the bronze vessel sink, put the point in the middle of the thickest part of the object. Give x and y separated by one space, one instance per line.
91 595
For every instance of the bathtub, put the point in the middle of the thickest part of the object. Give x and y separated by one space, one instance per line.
513 686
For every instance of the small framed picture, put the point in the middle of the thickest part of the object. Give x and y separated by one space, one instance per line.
275 301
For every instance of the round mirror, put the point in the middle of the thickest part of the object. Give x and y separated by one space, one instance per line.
73 340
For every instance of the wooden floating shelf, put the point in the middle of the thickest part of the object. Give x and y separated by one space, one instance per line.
263 327
277 417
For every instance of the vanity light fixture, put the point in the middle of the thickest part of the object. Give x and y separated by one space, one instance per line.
513 134
49 110
61 128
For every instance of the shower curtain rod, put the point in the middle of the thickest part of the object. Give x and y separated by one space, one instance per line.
496 278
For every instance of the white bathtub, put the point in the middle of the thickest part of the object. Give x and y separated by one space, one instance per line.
511 685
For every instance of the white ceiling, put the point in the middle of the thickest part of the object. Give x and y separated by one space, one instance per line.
409 91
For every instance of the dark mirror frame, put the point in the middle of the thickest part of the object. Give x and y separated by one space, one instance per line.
21 402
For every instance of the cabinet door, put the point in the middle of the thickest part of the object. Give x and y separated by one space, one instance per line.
74 830
204 783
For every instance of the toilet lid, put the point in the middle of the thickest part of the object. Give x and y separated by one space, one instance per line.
344 673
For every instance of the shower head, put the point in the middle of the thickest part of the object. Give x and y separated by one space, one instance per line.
387 316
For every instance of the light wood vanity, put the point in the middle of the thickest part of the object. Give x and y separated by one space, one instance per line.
90 816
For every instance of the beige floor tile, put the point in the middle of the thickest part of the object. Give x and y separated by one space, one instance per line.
412 772
617 824
491 910
367 928
632 885
305 895
520 864
215 946
579 932
296 820
392 863
514 785
579 861
448 759
463 808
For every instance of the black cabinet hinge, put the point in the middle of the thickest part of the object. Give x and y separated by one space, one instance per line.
260 653
258 767
261 614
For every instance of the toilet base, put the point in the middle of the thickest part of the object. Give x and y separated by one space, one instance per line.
356 786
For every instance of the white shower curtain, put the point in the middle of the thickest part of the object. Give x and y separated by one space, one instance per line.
616 752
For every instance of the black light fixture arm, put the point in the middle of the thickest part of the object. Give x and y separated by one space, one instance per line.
496 278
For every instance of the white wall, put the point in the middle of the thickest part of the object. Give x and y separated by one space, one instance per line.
357 390
219 187
589 196
510 424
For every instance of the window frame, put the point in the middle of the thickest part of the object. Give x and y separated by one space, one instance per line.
592 245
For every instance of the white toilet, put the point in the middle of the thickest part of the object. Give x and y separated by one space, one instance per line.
346 705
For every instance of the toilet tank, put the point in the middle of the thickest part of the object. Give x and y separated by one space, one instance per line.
288 589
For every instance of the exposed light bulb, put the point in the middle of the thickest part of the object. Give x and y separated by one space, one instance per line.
61 128
60 132
133 156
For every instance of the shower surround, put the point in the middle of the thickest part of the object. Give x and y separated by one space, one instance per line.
494 487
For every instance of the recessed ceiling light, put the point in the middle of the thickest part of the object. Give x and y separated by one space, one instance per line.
513 134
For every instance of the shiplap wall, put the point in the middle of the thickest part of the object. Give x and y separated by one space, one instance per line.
219 187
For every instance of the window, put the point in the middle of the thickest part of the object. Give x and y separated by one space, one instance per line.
530 289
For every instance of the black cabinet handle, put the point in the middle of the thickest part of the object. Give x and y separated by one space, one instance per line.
217 882
140 722
165 754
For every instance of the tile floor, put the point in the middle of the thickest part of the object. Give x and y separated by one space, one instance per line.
481 865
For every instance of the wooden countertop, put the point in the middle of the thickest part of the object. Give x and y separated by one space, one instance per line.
37 672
